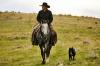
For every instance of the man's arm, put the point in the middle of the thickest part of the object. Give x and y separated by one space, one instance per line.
38 17
50 18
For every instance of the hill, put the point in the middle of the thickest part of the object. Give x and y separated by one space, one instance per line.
83 33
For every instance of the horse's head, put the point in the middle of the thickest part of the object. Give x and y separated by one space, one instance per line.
45 27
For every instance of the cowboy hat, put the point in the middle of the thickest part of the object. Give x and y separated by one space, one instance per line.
45 4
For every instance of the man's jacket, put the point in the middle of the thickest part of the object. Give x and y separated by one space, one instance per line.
47 15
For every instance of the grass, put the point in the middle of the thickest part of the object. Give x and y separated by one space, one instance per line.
16 48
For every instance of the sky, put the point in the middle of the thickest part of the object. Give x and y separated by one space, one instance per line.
74 7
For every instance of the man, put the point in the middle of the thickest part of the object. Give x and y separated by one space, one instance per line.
44 14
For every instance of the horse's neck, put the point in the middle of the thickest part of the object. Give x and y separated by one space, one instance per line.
45 28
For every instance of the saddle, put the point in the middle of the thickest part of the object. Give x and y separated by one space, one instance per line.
53 38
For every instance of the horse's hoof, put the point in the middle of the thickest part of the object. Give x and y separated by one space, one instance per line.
43 62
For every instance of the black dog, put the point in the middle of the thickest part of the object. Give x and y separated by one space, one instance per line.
72 53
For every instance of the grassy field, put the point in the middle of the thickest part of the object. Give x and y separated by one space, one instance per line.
83 33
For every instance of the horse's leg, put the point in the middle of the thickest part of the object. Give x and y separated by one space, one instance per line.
48 53
42 54
41 50
73 57
69 57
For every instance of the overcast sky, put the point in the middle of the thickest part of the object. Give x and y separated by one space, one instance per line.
74 7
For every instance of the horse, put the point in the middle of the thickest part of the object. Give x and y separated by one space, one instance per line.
44 40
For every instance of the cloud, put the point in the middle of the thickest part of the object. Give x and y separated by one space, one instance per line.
75 7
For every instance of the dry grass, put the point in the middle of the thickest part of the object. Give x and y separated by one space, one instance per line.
16 48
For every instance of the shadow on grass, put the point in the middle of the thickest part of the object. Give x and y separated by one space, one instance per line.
14 38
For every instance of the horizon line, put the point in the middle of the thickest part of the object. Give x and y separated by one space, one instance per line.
53 13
